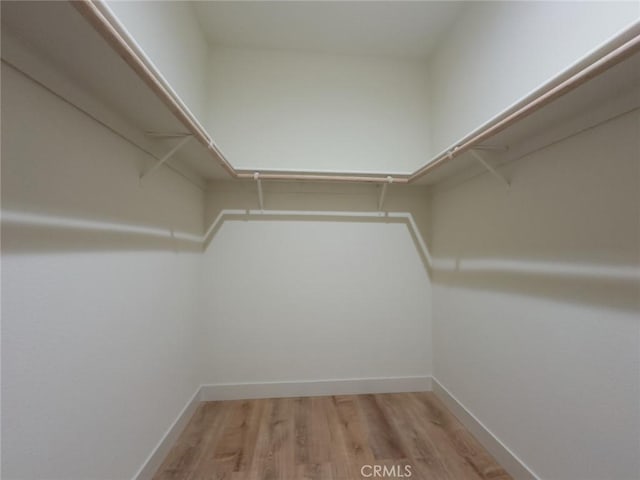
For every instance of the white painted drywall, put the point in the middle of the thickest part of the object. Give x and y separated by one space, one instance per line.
537 303
170 35
391 29
270 109
292 299
277 110
498 52
98 325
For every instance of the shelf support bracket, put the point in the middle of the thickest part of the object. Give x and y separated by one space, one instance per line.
153 134
495 148
166 157
383 193
256 177
489 168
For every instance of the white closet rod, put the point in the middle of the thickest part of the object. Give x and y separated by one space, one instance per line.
451 264
543 97
9 217
402 217
613 52
98 14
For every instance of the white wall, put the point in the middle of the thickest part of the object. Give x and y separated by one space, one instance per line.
298 299
98 319
308 111
537 303
498 52
536 331
170 35
282 110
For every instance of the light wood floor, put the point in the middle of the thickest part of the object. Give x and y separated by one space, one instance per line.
327 438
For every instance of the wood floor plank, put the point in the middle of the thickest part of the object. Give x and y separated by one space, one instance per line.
314 471
202 469
342 468
422 453
327 438
354 431
320 434
227 454
302 428
461 449
384 442
257 468
435 428
274 455
181 455
190 448
283 438
250 439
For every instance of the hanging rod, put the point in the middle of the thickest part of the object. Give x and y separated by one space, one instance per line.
550 93
323 178
102 19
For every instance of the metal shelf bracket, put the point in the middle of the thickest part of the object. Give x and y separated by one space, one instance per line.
383 193
489 168
166 157
256 177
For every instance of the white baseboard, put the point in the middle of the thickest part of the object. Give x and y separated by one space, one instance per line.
157 456
505 457
350 386
240 391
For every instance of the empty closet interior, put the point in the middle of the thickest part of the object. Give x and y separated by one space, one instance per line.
300 201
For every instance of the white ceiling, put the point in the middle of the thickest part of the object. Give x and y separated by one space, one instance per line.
388 28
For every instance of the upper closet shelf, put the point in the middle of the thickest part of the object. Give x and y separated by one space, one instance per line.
603 89
84 45
53 44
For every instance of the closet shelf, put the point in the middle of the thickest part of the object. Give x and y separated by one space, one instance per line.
601 87
53 44
90 46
